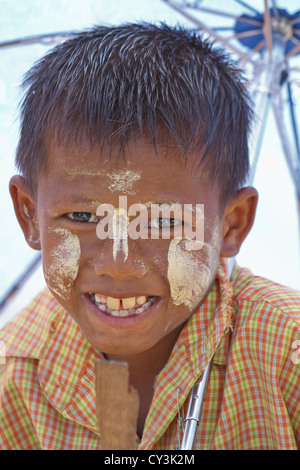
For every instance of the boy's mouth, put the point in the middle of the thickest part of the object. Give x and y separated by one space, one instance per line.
122 307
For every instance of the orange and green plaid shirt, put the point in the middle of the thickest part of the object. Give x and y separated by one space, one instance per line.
250 325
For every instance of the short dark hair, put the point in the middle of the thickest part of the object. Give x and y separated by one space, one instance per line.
113 83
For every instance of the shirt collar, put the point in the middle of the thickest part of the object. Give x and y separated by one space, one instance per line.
66 373
204 334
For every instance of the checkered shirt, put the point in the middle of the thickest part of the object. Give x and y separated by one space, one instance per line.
250 325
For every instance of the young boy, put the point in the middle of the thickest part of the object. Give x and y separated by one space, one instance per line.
114 120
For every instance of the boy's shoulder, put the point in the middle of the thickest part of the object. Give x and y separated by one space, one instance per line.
265 295
27 333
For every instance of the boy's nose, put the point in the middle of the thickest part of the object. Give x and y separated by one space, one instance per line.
120 257
118 265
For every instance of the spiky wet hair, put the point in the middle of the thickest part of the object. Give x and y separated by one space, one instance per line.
114 84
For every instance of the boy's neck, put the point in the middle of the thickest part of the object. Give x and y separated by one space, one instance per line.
144 368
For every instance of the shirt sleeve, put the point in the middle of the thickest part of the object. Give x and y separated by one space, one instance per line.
17 381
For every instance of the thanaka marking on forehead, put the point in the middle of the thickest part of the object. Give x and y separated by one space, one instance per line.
77 171
118 180
123 180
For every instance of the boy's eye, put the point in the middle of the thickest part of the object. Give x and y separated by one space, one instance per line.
82 217
164 222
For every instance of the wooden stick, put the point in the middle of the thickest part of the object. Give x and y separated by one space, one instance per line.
117 406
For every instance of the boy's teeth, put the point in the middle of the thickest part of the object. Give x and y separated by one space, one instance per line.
113 303
128 303
141 300
117 304
123 307
139 310
100 298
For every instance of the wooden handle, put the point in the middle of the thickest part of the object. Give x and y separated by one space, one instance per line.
117 406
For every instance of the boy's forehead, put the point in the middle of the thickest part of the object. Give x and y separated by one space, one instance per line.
121 180
141 163
84 157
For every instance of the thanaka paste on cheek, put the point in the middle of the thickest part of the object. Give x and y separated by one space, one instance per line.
190 274
62 270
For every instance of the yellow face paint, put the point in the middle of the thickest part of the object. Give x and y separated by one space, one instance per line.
122 181
62 270
190 271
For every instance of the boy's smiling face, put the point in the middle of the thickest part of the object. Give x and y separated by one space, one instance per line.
163 281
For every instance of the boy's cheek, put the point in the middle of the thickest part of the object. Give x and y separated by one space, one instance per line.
61 262
191 271
189 277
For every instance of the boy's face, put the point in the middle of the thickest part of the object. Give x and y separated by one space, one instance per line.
127 293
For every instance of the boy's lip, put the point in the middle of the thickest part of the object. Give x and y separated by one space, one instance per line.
121 295
116 320
123 292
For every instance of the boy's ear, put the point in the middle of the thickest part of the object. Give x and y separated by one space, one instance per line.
238 219
25 210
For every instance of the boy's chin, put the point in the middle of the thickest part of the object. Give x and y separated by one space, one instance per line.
141 336
154 328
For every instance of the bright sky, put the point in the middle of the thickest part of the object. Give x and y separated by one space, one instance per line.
272 248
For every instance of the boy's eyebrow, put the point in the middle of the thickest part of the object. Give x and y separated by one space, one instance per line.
83 200
87 199
158 203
